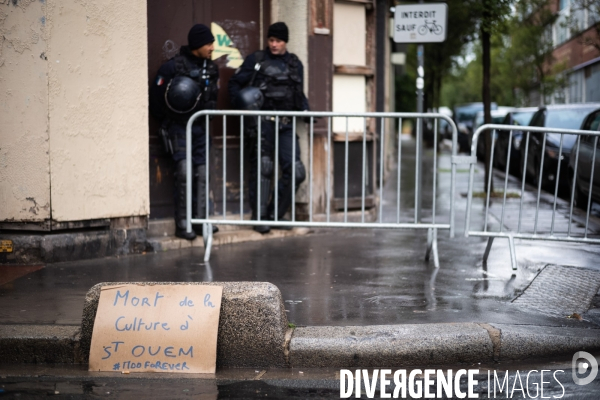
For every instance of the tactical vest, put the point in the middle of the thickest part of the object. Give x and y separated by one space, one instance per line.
205 74
280 83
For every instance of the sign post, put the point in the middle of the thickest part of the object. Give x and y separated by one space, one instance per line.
420 23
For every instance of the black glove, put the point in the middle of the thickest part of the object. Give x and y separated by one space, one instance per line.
307 119
163 133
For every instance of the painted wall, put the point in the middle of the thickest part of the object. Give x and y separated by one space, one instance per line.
349 42
349 34
349 96
90 120
24 146
295 15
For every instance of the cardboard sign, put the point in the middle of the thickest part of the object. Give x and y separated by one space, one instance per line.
161 328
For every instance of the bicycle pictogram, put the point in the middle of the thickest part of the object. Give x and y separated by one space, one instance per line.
432 27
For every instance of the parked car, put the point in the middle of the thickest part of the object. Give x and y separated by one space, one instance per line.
444 126
497 118
520 117
566 116
584 164
463 117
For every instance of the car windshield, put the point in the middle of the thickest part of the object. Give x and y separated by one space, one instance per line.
466 116
522 118
466 113
565 119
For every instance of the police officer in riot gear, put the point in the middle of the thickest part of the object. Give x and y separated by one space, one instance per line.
185 84
278 75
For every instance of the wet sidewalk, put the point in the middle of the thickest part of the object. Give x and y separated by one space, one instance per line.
350 277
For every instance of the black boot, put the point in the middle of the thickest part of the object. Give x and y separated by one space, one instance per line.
266 172
264 216
180 208
261 228
281 227
284 188
200 177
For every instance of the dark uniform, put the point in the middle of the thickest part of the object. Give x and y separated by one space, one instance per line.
280 79
206 74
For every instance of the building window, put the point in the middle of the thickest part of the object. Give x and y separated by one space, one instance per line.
576 87
593 16
592 83
561 28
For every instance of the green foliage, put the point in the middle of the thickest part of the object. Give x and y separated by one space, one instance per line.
439 58
463 83
493 15
531 49
405 85
521 61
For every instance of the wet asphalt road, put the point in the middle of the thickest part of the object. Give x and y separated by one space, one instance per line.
334 277
360 278
348 277
73 382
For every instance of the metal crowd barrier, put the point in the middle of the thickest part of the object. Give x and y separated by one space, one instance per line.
432 225
527 223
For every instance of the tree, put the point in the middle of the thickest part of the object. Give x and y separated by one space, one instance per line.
492 18
463 83
531 49
439 56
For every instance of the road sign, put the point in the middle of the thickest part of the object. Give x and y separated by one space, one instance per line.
421 23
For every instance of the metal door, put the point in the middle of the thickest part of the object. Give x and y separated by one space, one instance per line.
169 21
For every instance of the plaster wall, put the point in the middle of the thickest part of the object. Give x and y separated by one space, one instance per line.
24 146
349 97
349 34
349 40
73 106
98 102
295 15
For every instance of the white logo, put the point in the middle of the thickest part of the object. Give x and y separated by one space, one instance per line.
580 367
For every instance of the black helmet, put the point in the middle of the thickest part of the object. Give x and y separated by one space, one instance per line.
250 98
182 94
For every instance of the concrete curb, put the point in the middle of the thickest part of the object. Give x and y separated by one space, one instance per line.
392 345
252 325
520 342
161 233
232 236
335 347
253 332
38 343
40 248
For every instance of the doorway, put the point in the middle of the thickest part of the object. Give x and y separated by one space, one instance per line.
242 22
